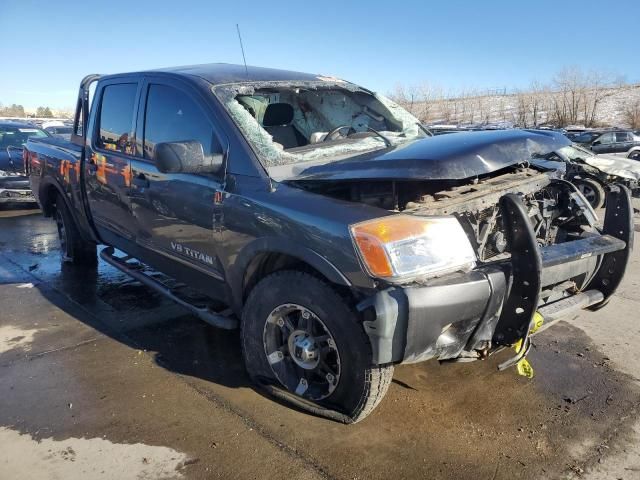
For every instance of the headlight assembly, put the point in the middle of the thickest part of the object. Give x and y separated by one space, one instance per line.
403 247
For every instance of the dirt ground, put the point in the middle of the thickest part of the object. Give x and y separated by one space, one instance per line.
101 378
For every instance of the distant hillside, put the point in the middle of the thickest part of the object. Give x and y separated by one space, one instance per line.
607 106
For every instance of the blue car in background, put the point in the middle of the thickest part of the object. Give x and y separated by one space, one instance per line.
14 184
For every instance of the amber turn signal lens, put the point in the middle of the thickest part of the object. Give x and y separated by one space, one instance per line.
373 254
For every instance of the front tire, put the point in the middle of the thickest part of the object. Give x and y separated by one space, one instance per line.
298 333
592 190
73 248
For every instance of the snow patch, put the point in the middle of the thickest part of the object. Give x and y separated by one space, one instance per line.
22 456
15 337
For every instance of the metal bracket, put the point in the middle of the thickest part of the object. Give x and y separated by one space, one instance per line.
618 222
526 272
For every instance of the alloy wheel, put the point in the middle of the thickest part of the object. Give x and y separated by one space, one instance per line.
588 192
301 352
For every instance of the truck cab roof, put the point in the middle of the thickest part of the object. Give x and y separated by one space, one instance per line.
223 73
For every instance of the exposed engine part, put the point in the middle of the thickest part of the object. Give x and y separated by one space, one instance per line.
555 209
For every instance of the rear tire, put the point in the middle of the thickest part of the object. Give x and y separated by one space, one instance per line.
592 190
298 333
73 248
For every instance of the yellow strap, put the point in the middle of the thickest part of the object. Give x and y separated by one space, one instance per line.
523 367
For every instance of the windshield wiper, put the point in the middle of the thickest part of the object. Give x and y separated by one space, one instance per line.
387 142
424 129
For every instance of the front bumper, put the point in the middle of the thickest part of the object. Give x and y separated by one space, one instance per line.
466 316
11 195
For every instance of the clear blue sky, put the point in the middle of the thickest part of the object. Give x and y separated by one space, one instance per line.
48 46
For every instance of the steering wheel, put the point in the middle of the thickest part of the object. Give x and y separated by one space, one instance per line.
336 130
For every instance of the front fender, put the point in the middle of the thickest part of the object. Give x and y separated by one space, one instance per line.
237 271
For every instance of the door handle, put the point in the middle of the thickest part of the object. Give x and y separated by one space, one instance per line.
141 181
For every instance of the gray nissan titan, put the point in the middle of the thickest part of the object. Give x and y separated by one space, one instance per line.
326 223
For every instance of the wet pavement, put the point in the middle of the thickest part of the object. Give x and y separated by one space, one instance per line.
102 378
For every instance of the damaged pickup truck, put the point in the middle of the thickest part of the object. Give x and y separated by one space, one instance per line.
593 173
323 221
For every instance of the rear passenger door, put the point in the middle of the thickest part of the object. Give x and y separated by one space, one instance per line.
624 141
108 169
176 213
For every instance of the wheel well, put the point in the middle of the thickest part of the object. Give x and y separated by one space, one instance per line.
266 263
48 197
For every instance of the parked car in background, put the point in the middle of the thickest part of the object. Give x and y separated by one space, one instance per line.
51 123
591 173
14 184
634 153
612 142
585 138
62 131
573 135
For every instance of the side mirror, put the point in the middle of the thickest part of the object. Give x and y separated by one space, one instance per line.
596 143
186 157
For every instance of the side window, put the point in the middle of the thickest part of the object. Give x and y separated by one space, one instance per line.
172 116
622 137
116 117
605 138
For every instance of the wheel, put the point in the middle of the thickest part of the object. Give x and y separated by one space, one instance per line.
73 249
298 333
592 190
635 155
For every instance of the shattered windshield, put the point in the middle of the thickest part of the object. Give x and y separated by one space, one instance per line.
575 153
315 122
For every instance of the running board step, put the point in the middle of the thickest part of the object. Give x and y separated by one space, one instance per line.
168 287
555 311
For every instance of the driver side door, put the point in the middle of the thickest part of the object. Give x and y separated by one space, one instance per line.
176 213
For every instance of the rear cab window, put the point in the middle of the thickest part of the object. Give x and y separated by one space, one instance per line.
115 121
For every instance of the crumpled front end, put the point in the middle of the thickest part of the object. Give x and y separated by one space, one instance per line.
468 316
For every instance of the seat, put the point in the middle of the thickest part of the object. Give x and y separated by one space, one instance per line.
277 122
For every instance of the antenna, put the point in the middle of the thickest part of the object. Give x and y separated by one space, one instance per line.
242 48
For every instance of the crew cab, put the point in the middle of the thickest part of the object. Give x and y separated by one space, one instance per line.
326 223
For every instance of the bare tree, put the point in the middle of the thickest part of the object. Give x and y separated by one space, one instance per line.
522 109
600 86
570 85
571 97
631 112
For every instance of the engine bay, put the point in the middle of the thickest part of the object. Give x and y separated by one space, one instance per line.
556 212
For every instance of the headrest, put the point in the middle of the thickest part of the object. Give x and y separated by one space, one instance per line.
277 114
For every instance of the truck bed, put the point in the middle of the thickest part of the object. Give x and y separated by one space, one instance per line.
52 162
